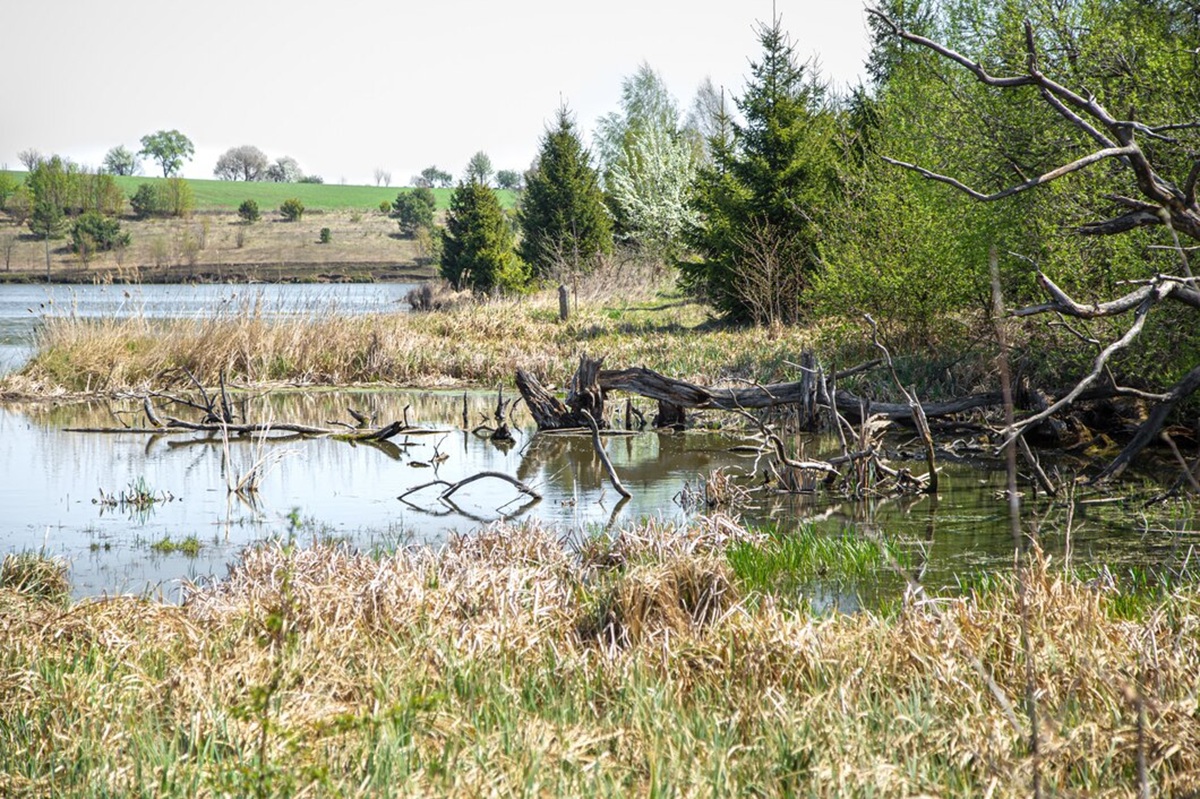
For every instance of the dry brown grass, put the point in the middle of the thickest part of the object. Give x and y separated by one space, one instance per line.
504 664
218 246
478 343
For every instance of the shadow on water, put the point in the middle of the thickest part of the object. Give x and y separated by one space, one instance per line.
321 488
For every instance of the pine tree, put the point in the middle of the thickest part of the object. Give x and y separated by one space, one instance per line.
761 197
563 218
477 243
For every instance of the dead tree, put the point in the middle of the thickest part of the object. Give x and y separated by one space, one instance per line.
1158 201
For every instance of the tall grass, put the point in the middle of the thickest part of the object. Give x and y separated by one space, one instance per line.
506 663
480 343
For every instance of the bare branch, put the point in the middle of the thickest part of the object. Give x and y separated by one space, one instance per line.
1124 341
1189 185
1120 224
1054 174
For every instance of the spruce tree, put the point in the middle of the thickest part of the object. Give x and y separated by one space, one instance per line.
563 217
761 197
477 243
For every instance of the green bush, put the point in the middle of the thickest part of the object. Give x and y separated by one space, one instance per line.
326 235
95 232
292 210
385 207
171 197
413 210
248 211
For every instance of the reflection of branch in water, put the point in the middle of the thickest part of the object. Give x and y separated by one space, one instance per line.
454 510
616 511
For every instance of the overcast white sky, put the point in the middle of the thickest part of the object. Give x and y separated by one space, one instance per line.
350 86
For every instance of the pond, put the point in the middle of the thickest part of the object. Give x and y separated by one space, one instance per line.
23 306
62 491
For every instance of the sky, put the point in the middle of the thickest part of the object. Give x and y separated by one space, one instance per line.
353 86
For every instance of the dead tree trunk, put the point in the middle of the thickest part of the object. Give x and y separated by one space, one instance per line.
585 395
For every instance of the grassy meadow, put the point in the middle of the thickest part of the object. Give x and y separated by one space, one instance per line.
213 244
227 195
649 664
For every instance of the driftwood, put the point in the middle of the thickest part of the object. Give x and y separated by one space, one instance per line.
453 487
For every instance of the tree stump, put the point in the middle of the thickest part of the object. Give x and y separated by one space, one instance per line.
583 394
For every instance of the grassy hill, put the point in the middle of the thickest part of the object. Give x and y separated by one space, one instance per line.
227 195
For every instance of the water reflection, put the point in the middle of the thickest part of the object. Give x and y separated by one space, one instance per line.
350 490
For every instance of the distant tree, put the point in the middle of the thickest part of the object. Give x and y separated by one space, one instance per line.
50 183
47 220
30 159
8 187
284 170
649 185
311 179
646 104
19 205
241 163
433 178
709 120
291 210
169 148
510 179
414 209
761 199
93 232
121 161
248 211
477 243
171 197
176 197
144 201
382 177
479 168
649 165
562 215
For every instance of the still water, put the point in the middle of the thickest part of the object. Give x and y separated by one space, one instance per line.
55 481
23 307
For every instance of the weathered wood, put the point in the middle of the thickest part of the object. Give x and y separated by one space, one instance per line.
651 384
584 394
598 445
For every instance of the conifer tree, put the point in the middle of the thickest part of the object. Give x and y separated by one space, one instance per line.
760 198
562 216
477 243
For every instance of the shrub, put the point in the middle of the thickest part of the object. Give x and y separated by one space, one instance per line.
94 232
326 235
248 211
311 179
144 201
292 210
385 207
171 197
413 210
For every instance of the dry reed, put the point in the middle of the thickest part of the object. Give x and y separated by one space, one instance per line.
506 663
476 343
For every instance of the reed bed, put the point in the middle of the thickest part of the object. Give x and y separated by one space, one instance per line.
506 663
479 343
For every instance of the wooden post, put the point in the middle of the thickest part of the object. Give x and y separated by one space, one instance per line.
564 306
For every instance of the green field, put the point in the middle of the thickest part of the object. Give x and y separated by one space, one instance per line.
229 194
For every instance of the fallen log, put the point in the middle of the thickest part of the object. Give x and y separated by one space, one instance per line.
653 385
